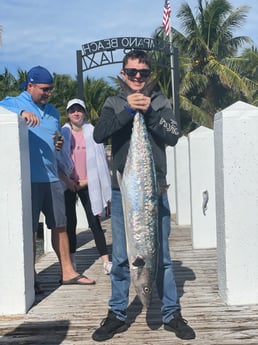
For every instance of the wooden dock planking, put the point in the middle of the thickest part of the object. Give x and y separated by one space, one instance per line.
69 314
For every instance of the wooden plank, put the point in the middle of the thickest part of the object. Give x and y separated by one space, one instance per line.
70 314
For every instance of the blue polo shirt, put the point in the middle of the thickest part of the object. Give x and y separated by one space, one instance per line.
43 164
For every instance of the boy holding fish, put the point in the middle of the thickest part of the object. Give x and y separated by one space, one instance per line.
141 124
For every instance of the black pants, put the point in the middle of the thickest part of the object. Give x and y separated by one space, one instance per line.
93 221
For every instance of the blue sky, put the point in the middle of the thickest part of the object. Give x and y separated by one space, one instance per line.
49 32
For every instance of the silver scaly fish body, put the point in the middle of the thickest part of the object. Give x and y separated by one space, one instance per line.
140 202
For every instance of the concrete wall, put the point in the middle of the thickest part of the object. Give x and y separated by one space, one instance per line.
202 188
182 180
16 253
236 180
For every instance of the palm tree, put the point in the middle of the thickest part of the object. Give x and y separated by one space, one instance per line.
21 76
249 69
209 66
8 85
95 93
65 88
161 61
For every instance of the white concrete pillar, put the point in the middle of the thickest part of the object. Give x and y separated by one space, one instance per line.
46 235
202 188
171 178
16 246
82 223
183 212
236 181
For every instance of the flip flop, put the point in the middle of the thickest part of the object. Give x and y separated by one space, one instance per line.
75 280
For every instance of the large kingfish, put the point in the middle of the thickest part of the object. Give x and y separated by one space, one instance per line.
140 203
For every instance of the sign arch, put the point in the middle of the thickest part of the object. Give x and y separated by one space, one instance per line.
108 51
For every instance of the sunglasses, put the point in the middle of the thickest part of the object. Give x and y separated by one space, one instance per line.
131 72
45 89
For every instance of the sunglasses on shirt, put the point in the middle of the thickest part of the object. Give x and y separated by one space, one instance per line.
131 72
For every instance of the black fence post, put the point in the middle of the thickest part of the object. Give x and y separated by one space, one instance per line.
79 74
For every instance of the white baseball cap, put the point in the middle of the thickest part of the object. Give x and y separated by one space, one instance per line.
76 101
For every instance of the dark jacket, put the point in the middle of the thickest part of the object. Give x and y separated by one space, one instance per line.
116 122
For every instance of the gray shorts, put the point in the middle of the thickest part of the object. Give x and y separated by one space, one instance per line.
48 198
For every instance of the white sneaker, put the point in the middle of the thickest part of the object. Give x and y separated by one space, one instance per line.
107 267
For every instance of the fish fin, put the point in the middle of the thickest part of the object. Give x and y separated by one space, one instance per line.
138 262
127 90
147 90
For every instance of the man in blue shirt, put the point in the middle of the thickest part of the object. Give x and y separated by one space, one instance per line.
47 193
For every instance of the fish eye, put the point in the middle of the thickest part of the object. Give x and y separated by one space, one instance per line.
146 290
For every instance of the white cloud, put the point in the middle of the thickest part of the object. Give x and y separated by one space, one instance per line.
50 32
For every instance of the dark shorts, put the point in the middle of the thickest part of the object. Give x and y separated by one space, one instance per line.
48 198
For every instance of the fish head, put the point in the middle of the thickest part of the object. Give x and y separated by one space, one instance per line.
143 282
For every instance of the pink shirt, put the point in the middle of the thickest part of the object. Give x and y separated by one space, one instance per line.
78 154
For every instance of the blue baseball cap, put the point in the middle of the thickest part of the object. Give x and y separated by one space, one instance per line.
38 75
